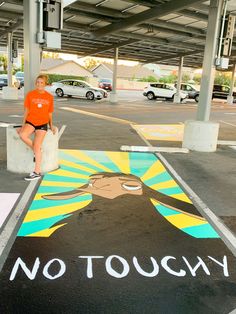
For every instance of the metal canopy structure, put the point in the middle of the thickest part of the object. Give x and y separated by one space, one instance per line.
148 31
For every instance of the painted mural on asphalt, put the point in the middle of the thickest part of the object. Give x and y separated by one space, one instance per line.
109 175
113 232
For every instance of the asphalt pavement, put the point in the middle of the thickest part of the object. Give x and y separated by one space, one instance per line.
101 272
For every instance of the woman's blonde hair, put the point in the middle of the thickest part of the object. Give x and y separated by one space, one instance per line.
44 77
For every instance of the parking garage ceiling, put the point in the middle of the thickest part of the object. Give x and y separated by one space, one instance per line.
148 31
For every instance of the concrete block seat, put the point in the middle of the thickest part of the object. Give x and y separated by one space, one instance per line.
20 156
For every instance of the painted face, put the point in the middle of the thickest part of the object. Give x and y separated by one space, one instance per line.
40 84
112 187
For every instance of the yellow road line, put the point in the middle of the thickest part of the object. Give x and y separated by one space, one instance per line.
98 115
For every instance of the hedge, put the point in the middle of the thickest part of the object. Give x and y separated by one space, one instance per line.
59 77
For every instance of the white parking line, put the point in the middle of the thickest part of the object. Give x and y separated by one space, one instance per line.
234 125
11 228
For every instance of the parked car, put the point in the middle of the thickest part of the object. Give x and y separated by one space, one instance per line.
20 77
191 90
4 81
161 90
222 92
219 91
77 88
105 84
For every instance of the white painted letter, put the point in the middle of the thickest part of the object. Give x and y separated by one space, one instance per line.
164 261
144 273
90 265
224 265
114 273
30 274
60 273
200 263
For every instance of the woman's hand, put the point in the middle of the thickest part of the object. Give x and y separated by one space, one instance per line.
53 129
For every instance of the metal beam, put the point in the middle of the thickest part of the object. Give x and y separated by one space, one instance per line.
168 57
18 24
158 11
125 43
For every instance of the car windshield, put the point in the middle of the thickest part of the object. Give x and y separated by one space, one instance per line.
19 74
105 81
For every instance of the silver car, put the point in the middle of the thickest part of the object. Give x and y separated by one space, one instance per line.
77 88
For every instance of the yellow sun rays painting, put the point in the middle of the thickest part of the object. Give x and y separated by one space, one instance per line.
76 167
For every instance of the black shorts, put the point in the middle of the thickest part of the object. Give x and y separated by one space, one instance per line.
43 127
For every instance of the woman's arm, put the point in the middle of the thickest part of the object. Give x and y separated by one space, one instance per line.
51 124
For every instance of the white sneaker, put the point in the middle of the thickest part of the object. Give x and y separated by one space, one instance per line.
33 176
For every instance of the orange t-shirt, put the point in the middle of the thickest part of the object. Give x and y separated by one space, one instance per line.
39 106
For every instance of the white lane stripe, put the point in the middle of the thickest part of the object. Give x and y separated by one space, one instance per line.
234 125
10 230
226 235
61 131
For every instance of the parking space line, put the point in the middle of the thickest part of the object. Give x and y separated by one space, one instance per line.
11 228
234 125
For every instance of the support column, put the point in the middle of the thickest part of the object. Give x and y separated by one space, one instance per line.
230 98
32 50
201 135
177 98
208 71
9 92
9 59
113 94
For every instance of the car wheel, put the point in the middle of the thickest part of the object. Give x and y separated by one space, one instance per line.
90 95
59 92
150 96
196 98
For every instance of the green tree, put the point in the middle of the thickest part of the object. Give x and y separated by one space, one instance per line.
149 78
197 78
222 78
53 55
185 77
172 78
90 63
3 62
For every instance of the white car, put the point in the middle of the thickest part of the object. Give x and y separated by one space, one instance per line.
162 90
76 88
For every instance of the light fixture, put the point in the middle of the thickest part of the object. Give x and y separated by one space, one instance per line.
101 2
130 8
93 23
69 18
2 3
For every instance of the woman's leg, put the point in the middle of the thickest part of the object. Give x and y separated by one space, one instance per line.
25 133
37 144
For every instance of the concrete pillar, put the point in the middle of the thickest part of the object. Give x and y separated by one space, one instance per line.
177 98
204 128
9 59
32 50
200 136
230 98
20 156
208 71
9 92
113 94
